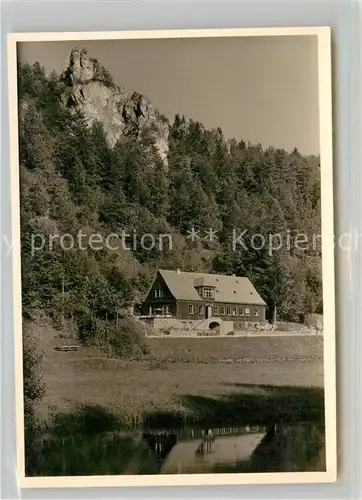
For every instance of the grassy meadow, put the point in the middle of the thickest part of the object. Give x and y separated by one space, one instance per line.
175 371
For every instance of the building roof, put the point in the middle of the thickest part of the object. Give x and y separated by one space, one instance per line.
228 289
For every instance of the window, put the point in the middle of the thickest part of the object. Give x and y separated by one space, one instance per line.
247 311
256 312
201 309
166 309
158 293
222 310
150 311
191 309
228 311
208 292
234 311
241 311
215 310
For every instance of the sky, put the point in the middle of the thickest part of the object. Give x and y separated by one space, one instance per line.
259 89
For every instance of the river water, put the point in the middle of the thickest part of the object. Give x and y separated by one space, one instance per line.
252 448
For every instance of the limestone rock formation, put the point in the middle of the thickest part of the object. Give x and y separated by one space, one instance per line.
91 88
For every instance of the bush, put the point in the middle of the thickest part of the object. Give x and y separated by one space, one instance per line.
123 339
33 391
32 375
86 420
127 339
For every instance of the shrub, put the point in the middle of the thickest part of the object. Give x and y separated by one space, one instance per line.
127 339
32 375
123 339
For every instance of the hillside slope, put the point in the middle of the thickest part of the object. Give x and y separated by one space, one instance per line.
97 159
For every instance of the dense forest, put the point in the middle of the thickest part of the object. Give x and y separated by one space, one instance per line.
73 179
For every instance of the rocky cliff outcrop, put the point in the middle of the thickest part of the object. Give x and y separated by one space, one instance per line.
91 88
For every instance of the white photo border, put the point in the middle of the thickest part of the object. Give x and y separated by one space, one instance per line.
328 264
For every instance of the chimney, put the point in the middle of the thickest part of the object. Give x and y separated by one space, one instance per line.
178 270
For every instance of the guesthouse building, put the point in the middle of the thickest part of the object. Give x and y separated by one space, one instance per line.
200 296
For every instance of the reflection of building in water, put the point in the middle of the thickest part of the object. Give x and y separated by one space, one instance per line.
207 444
206 447
205 453
239 449
161 443
192 447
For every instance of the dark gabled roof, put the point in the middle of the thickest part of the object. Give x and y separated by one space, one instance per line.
228 289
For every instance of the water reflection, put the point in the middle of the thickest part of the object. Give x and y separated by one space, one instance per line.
273 448
240 449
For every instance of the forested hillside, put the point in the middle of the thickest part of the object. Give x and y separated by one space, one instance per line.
154 177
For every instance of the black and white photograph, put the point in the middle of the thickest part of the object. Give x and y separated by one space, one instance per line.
172 193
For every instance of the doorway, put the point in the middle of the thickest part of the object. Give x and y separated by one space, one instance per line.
208 312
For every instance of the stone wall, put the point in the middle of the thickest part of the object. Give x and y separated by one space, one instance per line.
174 327
189 328
253 326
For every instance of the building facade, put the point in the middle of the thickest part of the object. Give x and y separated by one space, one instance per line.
199 296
